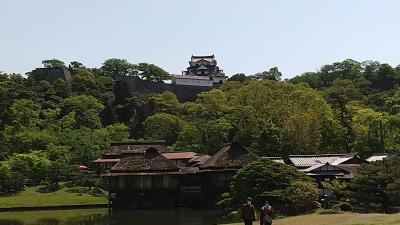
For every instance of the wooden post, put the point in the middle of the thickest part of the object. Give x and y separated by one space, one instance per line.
382 138
109 196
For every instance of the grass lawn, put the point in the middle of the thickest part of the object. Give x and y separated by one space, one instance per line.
339 219
31 198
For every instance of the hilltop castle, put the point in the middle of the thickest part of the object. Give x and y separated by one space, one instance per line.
202 71
203 74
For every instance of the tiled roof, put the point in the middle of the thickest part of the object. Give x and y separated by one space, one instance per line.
233 155
138 142
106 160
317 166
133 147
155 173
150 161
189 170
275 159
179 155
311 160
198 160
330 170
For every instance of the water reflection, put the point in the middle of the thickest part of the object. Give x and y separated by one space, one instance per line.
101 217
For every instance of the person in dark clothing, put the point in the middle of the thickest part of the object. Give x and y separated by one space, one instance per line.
267 213
248 212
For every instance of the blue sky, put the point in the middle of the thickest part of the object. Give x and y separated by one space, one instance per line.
246 36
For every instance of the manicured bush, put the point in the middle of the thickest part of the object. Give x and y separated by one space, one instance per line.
344 206
233 217
96 192
77 190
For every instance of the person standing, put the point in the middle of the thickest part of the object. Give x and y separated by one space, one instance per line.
248 212
267 214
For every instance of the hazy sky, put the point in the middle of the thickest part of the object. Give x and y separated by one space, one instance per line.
246 36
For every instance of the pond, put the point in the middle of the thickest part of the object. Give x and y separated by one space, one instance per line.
102 217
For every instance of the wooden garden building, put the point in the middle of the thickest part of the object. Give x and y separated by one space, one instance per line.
144 174
149 177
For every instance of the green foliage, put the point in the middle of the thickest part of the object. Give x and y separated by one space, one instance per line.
166 102
190 138
271 117
87 110
162 126
240 77
87 144
57 171
118 67
302 193
53 63
392 104
290 116
352 88
85 82
88 179
265 179
271 74
366 126
10 181
32 166
339 188
121 67
378 183
152 72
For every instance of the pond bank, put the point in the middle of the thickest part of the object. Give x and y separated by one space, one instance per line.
54 207
180 216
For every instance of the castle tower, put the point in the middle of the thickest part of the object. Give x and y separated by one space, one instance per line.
202 71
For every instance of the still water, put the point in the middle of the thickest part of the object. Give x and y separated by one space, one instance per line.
101 217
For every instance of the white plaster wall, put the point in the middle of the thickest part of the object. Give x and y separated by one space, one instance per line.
202 83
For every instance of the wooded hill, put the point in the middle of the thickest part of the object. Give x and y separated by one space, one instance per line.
346 106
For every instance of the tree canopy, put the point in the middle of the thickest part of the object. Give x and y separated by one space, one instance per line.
378 183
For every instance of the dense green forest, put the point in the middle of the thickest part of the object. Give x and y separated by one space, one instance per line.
344 107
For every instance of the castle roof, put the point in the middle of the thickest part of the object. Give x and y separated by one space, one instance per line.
209 58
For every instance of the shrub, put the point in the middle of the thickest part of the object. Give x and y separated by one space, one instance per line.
265 179
96 192
69 184
344 206
77 190
233 217
48 188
